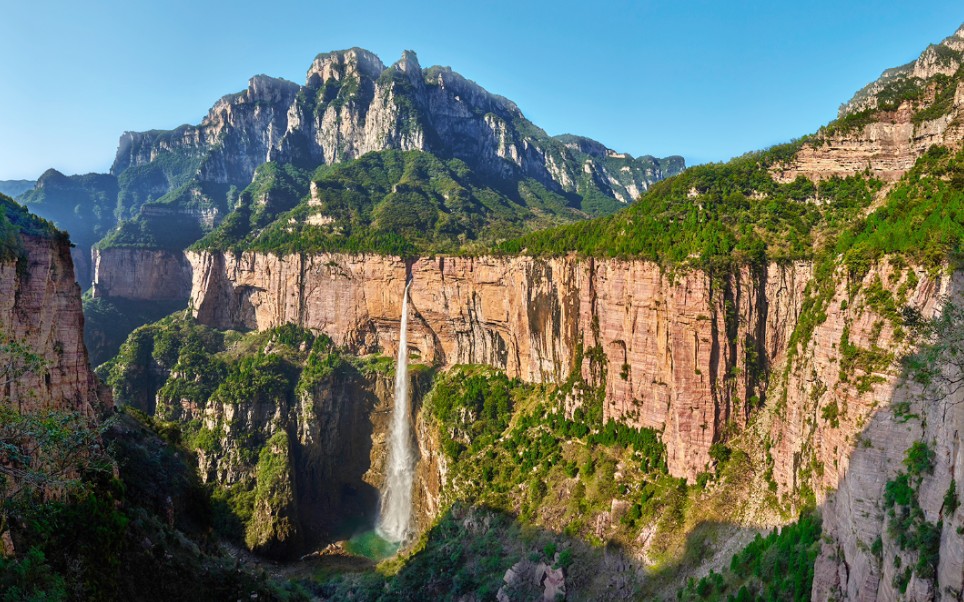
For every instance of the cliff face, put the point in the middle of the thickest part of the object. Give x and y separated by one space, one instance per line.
40 308
321 464
865 555
683 355
886 147
839 379
689 355
352 104
141 274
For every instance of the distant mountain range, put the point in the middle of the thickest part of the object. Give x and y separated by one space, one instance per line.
487 171
13 188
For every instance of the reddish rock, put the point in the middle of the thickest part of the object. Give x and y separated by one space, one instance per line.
684 340
40 308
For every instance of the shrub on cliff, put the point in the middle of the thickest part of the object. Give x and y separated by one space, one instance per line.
776 567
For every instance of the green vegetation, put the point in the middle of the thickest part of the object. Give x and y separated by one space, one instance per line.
173 221
188 368
274 190
271 523
906 523
107 538
137 372
527 484
776 567
109 321
513 449
82 205
170 170
506 443
391 202
15 222
717 215
104 511
921 220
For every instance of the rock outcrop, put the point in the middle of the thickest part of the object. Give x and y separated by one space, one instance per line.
937 59
861 557
683 354
321 462
886 148
352 104
40 309
141 274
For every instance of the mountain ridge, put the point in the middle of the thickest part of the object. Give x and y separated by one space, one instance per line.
174 186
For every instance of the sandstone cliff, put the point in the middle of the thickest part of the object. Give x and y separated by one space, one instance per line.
141 274
684 355
865 554
40 308
885 148
888 124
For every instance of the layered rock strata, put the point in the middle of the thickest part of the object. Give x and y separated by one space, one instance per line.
683 354
141 274
327 449
40 309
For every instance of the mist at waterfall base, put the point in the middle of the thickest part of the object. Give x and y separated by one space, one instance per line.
395 514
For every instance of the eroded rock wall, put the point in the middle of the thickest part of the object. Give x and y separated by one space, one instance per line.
860 557
40 308
886 148
329 446
683 354
141 274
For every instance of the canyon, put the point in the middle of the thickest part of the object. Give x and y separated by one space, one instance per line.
538 320
799 364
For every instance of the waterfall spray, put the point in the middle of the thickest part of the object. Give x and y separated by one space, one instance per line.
395 517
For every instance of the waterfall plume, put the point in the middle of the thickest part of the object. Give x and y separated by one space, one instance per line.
395 516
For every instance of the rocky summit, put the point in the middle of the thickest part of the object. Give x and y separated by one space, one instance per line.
166 189
615 379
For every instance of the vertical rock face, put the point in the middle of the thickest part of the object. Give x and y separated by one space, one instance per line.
684 355
806 435
40 308
689 355
352 104
887 147
323 458
141 274
879 420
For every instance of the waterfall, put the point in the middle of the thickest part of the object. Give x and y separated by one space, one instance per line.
395 517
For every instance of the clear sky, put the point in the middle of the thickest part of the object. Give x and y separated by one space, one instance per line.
704 79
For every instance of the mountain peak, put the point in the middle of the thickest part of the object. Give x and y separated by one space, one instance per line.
51 175
266 88
941 59
409 63
338 64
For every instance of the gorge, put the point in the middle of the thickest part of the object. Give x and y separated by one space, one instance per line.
386 301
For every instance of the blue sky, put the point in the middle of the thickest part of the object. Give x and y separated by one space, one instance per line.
707 80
